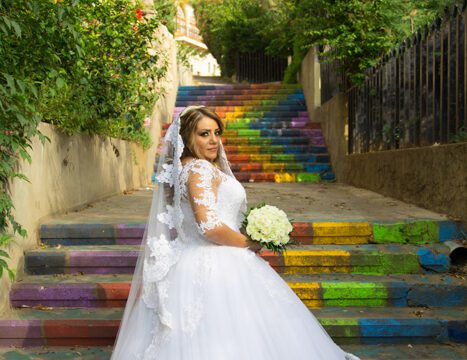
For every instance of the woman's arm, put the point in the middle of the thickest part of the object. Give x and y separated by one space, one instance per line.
202 187
224 235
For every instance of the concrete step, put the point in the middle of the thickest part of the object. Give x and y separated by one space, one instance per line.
60 327
104 259
69 291
350 290
245 90
272 85
262 114
276 140
447 351
356 259
242 117
221 102
304 167
267 123
91 234
278 158
225 106
225 103
238 98
270 119
416 232
284 177
263 123
310 167
275 149
99 326
297 123
388 325
365 259
270 92
316 290
56 353
252 115
271 140
241 91
266 96
310 133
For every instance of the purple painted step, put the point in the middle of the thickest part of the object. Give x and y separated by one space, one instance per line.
348 290
82 234
85 291
317 141
45 329
92 291
297 124
116 259
91 327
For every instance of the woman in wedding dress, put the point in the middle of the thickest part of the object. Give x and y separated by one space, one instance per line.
199 291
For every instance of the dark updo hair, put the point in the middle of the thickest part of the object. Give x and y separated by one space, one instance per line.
189 119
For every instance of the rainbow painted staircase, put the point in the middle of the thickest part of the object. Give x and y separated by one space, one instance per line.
368 283
268 135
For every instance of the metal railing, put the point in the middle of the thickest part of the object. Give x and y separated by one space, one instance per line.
417 95
259 67
333 79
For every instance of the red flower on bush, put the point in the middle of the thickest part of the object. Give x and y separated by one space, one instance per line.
139 13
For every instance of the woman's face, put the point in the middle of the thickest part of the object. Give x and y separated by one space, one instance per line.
207 138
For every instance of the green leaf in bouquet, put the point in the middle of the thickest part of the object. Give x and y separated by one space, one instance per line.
276 248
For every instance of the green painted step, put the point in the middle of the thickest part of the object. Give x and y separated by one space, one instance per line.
85 327
448 351
344 290
315 290
371 259
285 141
57 353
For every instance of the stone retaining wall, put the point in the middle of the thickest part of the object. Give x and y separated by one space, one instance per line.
433 177
70 172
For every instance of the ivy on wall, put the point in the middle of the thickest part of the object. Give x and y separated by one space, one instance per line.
82 65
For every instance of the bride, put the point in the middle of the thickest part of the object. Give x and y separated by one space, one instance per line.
199 291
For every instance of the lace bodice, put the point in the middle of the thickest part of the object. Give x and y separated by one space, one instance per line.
209 198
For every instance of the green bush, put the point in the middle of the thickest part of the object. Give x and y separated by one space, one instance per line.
231 26
358 32
81 65
37 39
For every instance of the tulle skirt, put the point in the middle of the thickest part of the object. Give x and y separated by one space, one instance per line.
227 303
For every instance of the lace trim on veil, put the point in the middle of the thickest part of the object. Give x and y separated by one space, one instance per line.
163 247
166 238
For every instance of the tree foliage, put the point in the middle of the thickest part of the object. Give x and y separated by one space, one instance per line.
83 65
231 26
359 32
356 32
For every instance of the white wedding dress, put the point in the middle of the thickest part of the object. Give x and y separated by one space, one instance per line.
225 303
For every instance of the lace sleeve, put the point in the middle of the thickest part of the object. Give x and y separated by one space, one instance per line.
202 184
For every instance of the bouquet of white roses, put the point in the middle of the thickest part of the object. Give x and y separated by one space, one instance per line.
268 225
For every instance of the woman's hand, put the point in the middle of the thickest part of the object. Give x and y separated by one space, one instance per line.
254 246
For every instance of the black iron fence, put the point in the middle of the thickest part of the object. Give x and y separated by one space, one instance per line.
259 67
333 79
417 95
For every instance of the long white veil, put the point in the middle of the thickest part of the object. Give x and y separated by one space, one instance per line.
146 321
